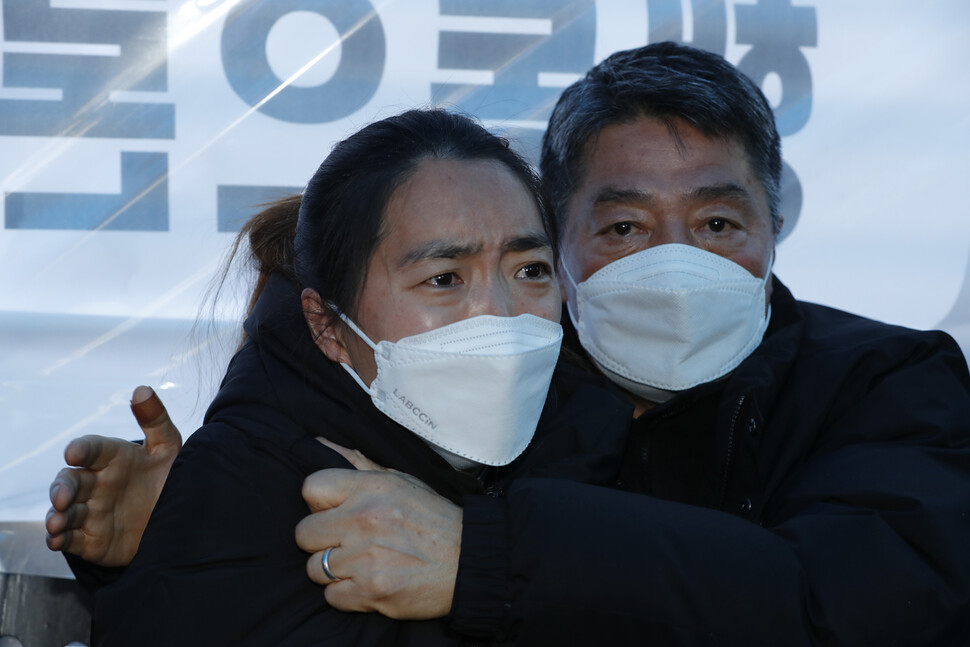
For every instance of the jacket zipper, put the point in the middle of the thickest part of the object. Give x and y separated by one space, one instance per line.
730 451
645 449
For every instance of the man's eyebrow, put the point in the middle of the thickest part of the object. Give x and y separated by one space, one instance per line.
708 192
439 249
614 195
719 191
527 242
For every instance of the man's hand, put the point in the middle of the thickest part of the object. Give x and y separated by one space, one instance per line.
100 507
397 541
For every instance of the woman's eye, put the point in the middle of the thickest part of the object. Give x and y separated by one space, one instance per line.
445 280
533 271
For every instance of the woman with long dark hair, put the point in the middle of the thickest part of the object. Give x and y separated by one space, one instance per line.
410 311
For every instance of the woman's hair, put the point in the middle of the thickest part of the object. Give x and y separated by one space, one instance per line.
270 233
325 238
342 213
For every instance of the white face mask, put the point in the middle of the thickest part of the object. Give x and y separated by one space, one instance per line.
669 318
474 388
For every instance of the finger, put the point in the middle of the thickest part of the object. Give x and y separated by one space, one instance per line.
72 486
92 452
153 418
70 541
75 517
353 456
345 595
329 488
56 540
63 489
63 532
55 523
317 532
314 567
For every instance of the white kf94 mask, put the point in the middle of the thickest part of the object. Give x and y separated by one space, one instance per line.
669 318
474 388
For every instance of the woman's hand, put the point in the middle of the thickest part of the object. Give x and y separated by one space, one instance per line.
395 541
101 505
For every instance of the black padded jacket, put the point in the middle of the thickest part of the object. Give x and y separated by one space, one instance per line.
219 564
818 495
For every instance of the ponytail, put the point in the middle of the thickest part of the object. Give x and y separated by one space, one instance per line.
271 233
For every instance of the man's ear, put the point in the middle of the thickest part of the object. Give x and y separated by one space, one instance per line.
323 327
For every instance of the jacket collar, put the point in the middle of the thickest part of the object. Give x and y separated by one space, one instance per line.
323 399
578 442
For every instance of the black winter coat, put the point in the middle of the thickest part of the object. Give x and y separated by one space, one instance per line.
219 564
819 495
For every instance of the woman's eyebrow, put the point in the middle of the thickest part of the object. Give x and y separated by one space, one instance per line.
527 242
439 249
436 249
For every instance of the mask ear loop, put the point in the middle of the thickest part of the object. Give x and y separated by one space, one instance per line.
764 287
359 333
569 307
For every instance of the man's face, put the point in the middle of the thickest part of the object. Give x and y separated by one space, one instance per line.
645 187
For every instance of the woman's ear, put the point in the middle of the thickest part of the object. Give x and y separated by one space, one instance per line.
323 327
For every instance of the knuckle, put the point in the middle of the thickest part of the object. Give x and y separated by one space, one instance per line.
380 584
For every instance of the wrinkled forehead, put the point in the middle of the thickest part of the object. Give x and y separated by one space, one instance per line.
661 155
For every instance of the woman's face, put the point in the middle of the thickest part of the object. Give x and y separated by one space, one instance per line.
461 239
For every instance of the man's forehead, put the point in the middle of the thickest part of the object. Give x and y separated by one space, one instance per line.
674 134
624 155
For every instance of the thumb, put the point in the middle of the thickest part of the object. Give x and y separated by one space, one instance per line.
353 456
153 419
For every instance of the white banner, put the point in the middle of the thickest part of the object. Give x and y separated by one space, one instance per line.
136 136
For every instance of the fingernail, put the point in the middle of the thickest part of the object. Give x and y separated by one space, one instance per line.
147 410
54 490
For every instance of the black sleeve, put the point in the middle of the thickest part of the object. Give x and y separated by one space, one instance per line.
219 564
870 544
92 577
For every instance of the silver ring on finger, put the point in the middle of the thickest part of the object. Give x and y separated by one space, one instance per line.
325 563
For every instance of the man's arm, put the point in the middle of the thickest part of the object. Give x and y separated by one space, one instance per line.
865 543
101 505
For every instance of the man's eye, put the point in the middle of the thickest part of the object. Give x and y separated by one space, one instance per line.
717 225
443 280
623 228
533 271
